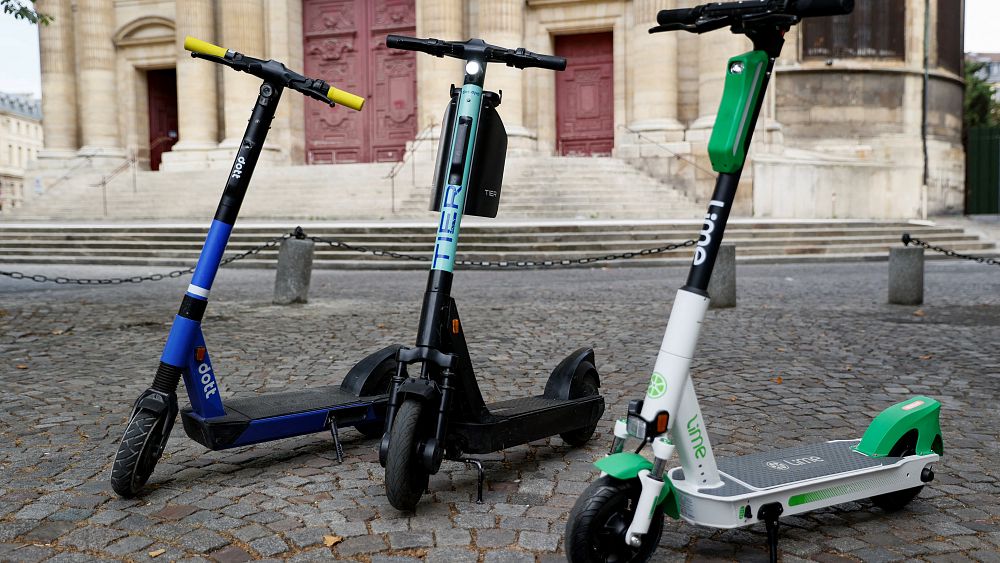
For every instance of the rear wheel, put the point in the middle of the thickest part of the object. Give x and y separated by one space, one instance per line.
405 476
382 378
137 454
582 386
595 531
896 500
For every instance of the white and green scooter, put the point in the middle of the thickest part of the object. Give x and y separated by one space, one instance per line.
620 516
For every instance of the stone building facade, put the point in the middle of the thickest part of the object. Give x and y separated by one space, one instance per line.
20 141
841 136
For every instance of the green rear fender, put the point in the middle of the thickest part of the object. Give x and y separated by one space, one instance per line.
624 466
919 414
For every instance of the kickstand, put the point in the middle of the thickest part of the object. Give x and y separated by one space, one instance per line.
769 513
334 431
482 476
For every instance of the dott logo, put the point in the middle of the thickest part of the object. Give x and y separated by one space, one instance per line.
700 254
208 387
238 168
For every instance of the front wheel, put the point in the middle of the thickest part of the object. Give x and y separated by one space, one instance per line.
405 476
595 531
138 453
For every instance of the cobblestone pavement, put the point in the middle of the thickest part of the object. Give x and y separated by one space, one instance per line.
811 353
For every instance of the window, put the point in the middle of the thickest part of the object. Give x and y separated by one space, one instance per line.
949 35
874 30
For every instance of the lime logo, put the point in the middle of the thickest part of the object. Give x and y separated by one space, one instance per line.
657 386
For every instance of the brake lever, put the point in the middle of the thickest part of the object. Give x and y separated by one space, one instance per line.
315 88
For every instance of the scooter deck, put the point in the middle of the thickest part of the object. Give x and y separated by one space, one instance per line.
250 420
801 478
522 420
781 468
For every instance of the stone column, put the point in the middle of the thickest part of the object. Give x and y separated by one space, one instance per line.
97 92
441 19
501 22
653 62
714 50
243 31
58 60
197 113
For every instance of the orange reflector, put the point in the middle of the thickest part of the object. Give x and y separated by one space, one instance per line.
661 422
199 353
454 326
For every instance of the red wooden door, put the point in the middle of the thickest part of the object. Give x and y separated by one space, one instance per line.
585 95
344 44
162 98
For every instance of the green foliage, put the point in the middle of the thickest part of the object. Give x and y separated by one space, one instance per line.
25 11
980 108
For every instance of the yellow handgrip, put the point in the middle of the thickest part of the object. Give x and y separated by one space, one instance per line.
203 47
345 99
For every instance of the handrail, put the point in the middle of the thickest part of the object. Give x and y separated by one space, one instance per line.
420 138
103 182
86 158
666 149
398 166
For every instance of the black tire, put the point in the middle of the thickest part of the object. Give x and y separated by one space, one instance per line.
405 476
137 454
896 500
595 531
583 386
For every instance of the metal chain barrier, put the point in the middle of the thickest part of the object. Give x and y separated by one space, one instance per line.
139 279
512 264
334 243
908 240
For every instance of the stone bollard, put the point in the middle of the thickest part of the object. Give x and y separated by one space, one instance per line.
291 283
722 286
906 275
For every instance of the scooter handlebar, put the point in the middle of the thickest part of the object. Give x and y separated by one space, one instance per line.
274 71
476 49
714 15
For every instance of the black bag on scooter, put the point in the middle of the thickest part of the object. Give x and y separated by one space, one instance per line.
486 176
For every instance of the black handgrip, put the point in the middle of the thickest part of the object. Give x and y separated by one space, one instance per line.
679 15
430 46
550 62
820 8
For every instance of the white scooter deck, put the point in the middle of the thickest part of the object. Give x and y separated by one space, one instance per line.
801 478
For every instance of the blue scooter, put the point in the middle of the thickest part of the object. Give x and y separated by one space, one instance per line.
359 401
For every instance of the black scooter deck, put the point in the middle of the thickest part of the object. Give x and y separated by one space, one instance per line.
294 412
522 420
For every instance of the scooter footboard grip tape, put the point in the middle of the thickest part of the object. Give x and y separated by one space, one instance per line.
345 99
203 47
